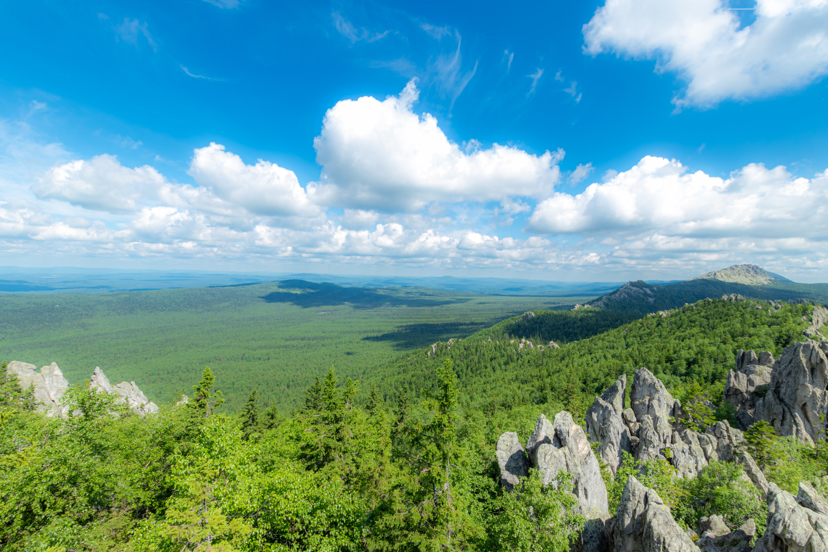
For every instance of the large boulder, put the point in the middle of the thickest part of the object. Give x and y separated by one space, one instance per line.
797 400
605 424
512 460
644 523
795 524
653 406
753 372
48 385
728 541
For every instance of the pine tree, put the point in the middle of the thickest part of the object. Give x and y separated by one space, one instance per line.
250 415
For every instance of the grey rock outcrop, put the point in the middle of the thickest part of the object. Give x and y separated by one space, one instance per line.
128 393
752 373
754 473
644 523
797 401
653 406
652 425
729 441
48 385
605 424
512 460
688 456
818 320
555 447
795 524
135 399
588 484
100 381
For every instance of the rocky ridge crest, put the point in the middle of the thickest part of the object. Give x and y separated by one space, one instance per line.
49 386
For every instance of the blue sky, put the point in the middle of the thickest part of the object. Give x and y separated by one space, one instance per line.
556 140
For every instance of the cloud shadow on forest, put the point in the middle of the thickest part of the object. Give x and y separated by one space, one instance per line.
312 295
417 336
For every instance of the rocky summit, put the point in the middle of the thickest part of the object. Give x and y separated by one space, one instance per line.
748 274
49 386
788 393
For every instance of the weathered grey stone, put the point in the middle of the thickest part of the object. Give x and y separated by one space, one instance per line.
543 433
736 541
809 498
752 372
549 461
606 427
512 460
792 526
818 320
629 416
48 385
650 400
688 456
100 381
729 441
644 523
708 443
134 398
754 473
797 400
713 526
582 464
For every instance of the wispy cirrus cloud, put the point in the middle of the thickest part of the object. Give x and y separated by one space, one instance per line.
131 29
536 76
354 34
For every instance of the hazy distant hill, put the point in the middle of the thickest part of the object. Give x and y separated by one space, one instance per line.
747 280
747 274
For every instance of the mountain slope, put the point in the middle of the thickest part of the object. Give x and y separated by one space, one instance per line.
749 281
500 370
748 274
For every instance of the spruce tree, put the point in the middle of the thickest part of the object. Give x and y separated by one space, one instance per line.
250 415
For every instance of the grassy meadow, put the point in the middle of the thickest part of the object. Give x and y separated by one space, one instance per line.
273 337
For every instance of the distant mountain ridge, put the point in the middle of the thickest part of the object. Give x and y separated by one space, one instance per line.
748 274
749 281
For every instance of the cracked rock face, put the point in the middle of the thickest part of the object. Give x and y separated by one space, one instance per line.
795 524
653 406
718 540
753 372
644 523
49 385
605 424
512 460
554 447
797 400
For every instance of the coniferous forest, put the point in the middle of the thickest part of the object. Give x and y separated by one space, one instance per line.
401 459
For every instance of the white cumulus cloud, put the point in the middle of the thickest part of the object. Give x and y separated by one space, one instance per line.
263 189
785 48
100 184
380 155
659 195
